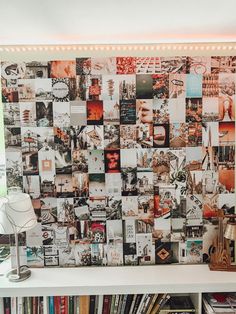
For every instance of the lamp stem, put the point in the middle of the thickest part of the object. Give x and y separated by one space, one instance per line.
17 255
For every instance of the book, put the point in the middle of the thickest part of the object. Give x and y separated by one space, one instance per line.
13 305
92 304
2 306
128 303
41 300
100 304
113 298
7 305
116 304
152 303
140 307
160 302
71 304
123 303
51 305
137 302
77 305
120 304
56 304
84 304
132 304
147 303
62 305
106 304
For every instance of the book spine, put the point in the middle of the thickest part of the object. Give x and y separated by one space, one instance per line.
137 302
120 304
128 303
51 305
132 304
146 303
105 308
1 305
62 305
116 303
7 305
71 304
96 305
66 305
57 305
141 304
124 303
29 305
91 304
13 305
151 305
100 304
41 305
77 304
112 303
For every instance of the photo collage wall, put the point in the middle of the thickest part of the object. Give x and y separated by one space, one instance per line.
126 159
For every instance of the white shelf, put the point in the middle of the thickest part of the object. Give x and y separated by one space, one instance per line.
123 280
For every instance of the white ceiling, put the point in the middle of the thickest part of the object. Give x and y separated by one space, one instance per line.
116 21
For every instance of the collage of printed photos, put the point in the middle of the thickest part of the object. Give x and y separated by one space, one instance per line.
126 159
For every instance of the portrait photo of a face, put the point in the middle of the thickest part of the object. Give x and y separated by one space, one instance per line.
144 110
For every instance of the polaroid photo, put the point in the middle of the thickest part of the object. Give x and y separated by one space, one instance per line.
113 207
125 65
64 184
193 109
177 110
96 161
144 86
210 109
210 85
97 184
36 70
103 65
198 65
148 65
161 111
98 256
43 89
129 230
79 160
111 136
129 182
162 229
80 182
11 114
193 85
65 210
128 136
60 89
113 184
160 86
194 134
161 135
48 210
111 112
95 137
173 64
44 113
97 208
83 66
114 253
177 85
144 160
144 135
81 208
26 90
129 207
62 69
114 231
110 88
194 251
35 256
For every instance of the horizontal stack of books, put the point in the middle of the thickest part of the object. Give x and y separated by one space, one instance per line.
101 304
220 303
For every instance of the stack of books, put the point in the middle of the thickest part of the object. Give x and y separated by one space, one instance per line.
220 303
101 304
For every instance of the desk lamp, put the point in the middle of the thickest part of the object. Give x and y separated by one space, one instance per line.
220 258
17 215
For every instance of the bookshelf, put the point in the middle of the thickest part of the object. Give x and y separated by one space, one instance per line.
176 279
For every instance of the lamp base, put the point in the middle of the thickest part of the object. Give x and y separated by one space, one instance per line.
25 273
218 267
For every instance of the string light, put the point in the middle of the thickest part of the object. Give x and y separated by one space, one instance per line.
133 47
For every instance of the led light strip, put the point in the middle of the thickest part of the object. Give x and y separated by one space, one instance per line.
151 47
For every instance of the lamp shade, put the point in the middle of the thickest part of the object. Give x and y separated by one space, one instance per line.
16 213
230 231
